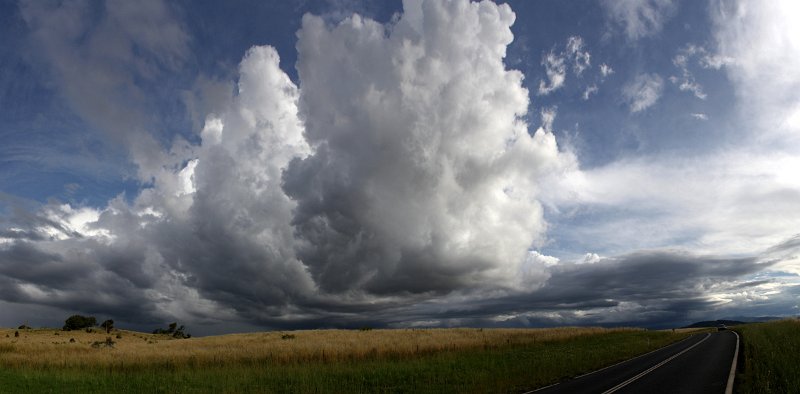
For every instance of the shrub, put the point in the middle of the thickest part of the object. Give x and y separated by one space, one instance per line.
287 336
16 334
77 322
23 327
107 343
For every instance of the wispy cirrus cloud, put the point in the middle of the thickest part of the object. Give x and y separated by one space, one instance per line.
643 91
557 63
639 18
758 47
605 70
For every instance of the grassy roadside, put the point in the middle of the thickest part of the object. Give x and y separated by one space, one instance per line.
491 367
771 357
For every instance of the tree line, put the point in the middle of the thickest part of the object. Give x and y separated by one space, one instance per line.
80 322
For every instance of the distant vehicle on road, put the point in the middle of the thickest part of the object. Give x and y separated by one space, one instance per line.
722 327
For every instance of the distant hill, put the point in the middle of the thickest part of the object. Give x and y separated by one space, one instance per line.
732 321
714 323
754 319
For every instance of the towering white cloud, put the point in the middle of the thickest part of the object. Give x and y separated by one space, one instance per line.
400 169
424 176
211 239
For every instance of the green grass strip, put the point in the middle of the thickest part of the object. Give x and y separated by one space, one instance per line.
771 354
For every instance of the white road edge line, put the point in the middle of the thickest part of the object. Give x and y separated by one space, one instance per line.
633 379
631 359
732 375
611 366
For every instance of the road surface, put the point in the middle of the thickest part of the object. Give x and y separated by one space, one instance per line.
701 363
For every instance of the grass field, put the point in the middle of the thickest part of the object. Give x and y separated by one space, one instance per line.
771 357
413 360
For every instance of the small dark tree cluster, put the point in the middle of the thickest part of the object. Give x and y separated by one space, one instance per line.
108 325
77 322
174 330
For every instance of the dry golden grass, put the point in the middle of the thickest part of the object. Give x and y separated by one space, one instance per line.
50 347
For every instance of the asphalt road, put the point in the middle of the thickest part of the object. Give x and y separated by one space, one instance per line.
699 364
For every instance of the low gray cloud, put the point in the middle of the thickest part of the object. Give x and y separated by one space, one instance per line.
650 288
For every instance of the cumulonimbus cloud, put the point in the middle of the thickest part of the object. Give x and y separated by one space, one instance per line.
399 169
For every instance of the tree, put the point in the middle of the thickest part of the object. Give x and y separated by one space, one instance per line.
77 322
108 325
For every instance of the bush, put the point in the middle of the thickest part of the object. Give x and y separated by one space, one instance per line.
23 327
77 322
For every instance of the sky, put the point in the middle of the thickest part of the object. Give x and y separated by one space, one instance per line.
268 165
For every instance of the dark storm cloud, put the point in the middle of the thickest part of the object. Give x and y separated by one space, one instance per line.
21 235
72 281
753 283
654 288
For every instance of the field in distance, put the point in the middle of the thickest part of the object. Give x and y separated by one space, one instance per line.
402 360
